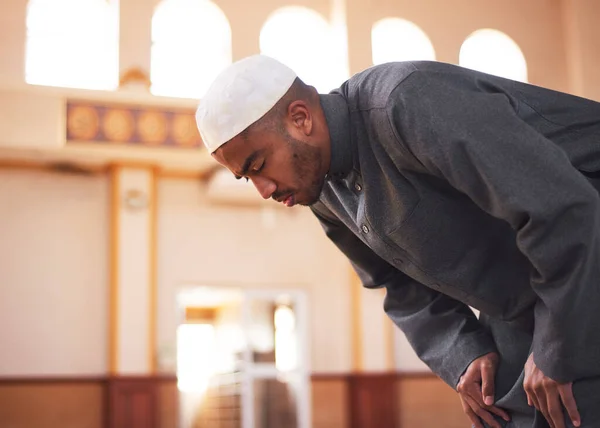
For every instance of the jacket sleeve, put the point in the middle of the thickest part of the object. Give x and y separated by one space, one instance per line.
444 333
475 140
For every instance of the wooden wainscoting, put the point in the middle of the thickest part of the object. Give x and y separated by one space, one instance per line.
330 401
89 402
361 400
132 402
425 401
53 403
357 400
142 402
372 400
386 400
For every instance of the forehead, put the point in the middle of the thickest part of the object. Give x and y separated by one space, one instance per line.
233 153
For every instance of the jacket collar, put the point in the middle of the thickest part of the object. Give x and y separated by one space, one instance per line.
337 115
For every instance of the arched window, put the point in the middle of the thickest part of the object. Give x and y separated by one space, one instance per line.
72 43
191 44
395 39
303 40
493 52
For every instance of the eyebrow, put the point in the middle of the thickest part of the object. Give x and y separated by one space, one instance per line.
247 164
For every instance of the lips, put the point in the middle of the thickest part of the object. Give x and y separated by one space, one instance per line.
289 201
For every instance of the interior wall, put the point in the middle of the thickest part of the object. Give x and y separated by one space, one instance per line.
535 25
53 274
582 34
12 41
374 356
246 23
199 244
53 231
538 26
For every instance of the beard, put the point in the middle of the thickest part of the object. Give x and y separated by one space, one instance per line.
306 164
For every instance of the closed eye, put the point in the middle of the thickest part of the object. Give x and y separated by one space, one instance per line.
255 170
259 168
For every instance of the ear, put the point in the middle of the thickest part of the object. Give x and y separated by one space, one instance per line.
301 117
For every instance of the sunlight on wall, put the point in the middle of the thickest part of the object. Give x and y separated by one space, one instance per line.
395 39
73 43
313 54
493 52
191 44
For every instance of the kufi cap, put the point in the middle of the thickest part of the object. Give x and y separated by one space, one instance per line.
240 95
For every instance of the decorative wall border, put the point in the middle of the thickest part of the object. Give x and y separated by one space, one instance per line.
131 125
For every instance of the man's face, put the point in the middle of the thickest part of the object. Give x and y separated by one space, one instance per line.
280 166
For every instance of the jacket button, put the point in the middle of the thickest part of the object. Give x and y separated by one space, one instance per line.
365 228
358 187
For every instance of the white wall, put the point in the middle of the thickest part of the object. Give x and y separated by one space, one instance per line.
54 269
12 41
53 274
203 245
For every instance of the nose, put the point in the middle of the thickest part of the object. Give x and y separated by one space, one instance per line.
265 187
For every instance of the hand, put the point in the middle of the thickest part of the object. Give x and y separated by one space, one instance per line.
546 395
476 391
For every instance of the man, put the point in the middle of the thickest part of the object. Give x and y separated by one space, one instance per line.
450 188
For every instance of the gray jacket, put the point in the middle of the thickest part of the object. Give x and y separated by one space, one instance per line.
452 188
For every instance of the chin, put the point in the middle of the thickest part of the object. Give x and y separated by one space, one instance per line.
311 194
308 203
312 198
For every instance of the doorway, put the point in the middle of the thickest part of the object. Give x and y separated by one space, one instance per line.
242 358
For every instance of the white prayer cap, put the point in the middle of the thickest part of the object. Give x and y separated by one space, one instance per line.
239 96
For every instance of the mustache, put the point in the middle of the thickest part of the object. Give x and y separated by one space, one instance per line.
281 193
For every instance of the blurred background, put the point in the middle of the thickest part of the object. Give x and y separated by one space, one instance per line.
141 286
